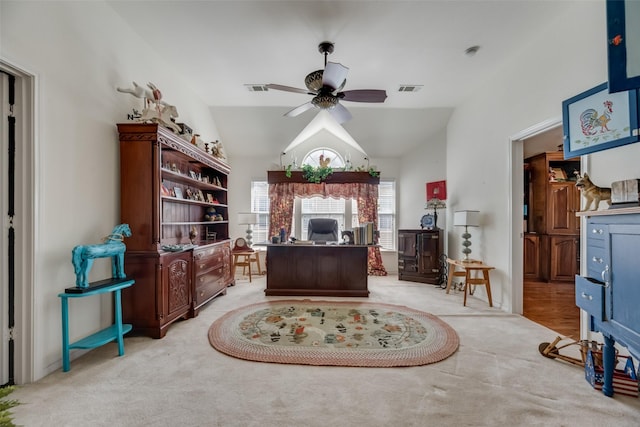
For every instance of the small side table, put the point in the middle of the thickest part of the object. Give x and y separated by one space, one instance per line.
114 332
467 268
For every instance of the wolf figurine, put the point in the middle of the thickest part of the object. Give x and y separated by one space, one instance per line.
592 193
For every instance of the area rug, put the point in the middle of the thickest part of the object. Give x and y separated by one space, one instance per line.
335 333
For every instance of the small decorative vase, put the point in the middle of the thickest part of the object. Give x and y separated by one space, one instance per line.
193 234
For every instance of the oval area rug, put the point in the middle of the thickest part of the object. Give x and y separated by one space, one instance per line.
333 333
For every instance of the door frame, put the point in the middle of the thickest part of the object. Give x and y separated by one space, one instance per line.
24 221
516 192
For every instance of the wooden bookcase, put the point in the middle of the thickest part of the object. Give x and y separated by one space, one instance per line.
176 272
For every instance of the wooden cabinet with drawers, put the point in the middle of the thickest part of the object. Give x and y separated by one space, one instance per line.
419 254
173 195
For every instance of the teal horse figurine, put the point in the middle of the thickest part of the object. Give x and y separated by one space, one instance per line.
82 256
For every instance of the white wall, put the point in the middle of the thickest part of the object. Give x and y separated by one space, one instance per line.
80 53
566 59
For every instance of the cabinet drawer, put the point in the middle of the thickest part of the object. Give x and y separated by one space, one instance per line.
595 234
595 261
209 284
590 296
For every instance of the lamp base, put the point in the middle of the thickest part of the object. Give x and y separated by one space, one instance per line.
249 236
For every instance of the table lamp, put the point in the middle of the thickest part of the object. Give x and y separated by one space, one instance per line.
466 219
248 219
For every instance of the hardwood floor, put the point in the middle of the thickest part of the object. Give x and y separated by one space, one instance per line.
552 305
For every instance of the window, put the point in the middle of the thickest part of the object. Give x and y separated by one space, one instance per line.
317 207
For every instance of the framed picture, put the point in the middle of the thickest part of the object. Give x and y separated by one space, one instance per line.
597 120
178 192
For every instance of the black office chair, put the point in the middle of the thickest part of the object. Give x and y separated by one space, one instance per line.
323 230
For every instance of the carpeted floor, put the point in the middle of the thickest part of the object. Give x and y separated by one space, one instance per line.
333 333
496 378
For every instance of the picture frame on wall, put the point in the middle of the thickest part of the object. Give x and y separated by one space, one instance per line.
597 120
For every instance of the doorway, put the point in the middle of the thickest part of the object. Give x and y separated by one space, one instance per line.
17 242
550 243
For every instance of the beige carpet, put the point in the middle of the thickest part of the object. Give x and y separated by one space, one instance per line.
496 378
333 333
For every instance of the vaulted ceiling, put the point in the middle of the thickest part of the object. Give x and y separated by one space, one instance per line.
222 46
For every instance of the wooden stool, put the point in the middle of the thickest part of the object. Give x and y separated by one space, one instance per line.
467 268
244 260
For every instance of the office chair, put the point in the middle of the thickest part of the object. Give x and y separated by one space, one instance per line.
323 230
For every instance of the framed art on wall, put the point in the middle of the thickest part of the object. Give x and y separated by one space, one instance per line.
597 120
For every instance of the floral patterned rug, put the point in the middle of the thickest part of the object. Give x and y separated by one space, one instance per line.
333 333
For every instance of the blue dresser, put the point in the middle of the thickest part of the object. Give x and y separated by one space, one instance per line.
610 291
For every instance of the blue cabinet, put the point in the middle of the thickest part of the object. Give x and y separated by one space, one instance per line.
623 44
610 292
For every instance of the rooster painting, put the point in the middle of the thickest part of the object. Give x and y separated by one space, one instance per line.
590 121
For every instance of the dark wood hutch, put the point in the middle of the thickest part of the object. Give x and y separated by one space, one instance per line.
552 230
179 257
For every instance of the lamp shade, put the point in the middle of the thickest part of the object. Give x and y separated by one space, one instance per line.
466 218
247 218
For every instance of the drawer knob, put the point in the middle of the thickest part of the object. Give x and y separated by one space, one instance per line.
586 296
597 259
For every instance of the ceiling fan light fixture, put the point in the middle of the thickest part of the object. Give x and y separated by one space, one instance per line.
324 102
313 81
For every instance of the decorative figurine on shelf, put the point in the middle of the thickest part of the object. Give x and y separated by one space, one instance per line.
155 109
82 256
592 193
193 234
217 150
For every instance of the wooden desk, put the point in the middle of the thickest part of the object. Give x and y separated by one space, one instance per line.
469 280
321 270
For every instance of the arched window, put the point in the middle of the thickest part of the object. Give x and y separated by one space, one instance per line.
313 158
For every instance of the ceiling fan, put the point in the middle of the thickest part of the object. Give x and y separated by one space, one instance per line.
326 87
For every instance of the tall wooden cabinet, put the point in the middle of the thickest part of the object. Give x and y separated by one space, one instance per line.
552 240
419 254
173 195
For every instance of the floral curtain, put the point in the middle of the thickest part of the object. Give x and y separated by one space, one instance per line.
282 195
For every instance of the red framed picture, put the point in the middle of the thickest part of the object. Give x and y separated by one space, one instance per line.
437 190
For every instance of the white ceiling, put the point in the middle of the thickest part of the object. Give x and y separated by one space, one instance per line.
220 46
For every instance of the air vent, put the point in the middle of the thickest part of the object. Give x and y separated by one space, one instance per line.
257 88
409 88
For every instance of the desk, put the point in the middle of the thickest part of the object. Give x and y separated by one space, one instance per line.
114 332
467 269
319 270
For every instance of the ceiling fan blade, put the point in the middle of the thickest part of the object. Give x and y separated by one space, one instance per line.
299 110
334 75
363 95
340 113
289 89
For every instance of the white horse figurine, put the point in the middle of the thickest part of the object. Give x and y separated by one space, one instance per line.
167 112
82 256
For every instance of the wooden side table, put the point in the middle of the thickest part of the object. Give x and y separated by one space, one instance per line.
244 260
114 332
466 269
